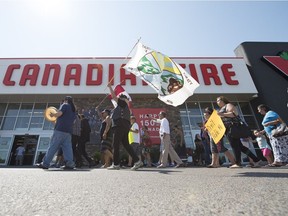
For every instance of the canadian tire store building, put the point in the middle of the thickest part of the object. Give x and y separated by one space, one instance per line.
30 85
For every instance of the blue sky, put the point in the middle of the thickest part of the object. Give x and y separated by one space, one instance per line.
83 28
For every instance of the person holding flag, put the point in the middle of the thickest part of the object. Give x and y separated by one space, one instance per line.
121 126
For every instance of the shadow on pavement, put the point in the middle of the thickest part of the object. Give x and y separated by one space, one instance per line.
265 175
72 170
162 171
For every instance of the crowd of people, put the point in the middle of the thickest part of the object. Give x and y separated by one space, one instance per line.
119 127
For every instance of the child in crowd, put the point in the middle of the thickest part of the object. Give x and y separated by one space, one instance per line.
146 140
263 145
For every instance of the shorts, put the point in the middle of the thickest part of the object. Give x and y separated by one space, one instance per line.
107 144
137 148
146 150
219 148
266 152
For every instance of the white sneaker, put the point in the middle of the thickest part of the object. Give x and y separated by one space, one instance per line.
161 166
137 165
114 167
235 166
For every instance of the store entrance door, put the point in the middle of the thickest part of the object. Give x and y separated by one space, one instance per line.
29 142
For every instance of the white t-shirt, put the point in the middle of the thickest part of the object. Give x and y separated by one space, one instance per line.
262 142
164 126
134 137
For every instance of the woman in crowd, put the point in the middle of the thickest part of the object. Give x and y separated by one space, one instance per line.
199 153
229 113
217 148
180 146
279 144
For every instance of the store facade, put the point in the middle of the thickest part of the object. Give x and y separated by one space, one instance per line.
267 63
30 85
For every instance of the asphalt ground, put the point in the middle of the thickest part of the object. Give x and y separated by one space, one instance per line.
147 191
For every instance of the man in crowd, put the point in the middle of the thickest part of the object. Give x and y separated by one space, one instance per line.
121 126
62 135
164 133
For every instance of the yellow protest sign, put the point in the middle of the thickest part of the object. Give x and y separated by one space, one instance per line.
215 127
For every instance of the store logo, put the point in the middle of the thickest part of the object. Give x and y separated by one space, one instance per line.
280 62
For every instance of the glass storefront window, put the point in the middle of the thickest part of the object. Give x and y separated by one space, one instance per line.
22 122
195 121
250 120
43 143
8 123
3 156
36 122
4 143
48 125
188 138
2 108
4 147
193 109
39 109
245 108
26 110
13 109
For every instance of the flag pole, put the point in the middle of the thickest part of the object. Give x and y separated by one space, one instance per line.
124 61
120 68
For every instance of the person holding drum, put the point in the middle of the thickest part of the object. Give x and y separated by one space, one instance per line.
62 135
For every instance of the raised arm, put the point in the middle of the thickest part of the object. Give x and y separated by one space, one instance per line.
113 95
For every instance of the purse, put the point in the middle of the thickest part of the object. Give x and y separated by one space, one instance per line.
281 130
238 129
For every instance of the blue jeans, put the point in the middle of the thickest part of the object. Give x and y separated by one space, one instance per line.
63 140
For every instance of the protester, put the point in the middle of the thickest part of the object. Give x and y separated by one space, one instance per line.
134 140
279 145
147 143
76 132
206 144
199 152
229 113
164 133
62 135
84 138
180 146
217 148
121 126
106 137
19 155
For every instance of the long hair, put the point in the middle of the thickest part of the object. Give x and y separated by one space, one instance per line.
70 101
224 99
72 106
197 138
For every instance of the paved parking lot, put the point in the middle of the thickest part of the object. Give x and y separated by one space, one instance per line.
148 191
